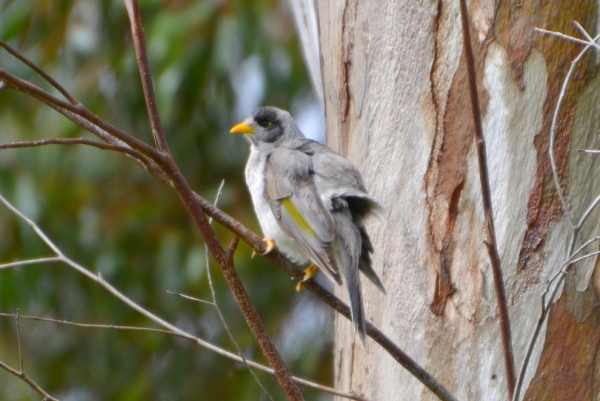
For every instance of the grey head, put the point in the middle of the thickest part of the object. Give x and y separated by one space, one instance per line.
268 127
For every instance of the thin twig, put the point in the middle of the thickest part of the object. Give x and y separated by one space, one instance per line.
586 35
171 330
585 245
486 193
19 342
20 263
187 196
546 301
566 37
21 374
202 301
579 259
330 299
24 86
215 304
587 212
139 43
281 371
29 381
192 339
72 141
555 282
41 72
554 127
113 144
594 152
144 161
189 200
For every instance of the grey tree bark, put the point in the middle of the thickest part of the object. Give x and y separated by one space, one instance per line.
397 105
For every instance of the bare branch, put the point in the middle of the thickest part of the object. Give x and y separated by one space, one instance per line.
21 374
566 37
139 42
587 212
330 299
114 144
584 245
29 381
554 127
41 72
254 322
73 141
486 194
202 301
215 304
24 86
81 116
193 339
589 255
233 246
19 342
190 200
35 228
591 41
30 262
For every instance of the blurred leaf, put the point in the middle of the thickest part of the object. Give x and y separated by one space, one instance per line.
109 215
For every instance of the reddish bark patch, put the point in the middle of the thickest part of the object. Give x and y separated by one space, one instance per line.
443 285
454 137
348 26
518 18
569 367
514 30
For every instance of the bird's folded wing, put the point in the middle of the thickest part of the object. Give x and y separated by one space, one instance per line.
336 177
297 206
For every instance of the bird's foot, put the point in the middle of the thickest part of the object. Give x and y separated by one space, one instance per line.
309 273
269 243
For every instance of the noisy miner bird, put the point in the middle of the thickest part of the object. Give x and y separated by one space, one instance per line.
311 203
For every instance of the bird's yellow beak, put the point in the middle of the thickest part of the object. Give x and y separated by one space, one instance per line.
242 128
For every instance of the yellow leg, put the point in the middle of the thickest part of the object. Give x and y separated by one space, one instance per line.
309 272
269 243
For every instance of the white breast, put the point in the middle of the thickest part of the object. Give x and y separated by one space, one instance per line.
255 179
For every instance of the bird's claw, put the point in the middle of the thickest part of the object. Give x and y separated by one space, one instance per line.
309 273
269 243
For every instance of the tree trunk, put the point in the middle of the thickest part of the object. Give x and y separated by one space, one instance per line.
397 105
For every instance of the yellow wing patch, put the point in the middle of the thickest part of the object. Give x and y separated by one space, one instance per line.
297 216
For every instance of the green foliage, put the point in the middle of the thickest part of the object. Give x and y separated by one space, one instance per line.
106 213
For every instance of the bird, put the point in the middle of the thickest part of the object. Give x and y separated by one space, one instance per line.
311 203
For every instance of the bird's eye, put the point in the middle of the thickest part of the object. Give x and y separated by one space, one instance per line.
265 123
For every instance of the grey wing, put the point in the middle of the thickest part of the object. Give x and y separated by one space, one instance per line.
336 177
347 248
340 182
297 206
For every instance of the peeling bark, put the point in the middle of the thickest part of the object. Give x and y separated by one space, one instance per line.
397 104
513 27
570 365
